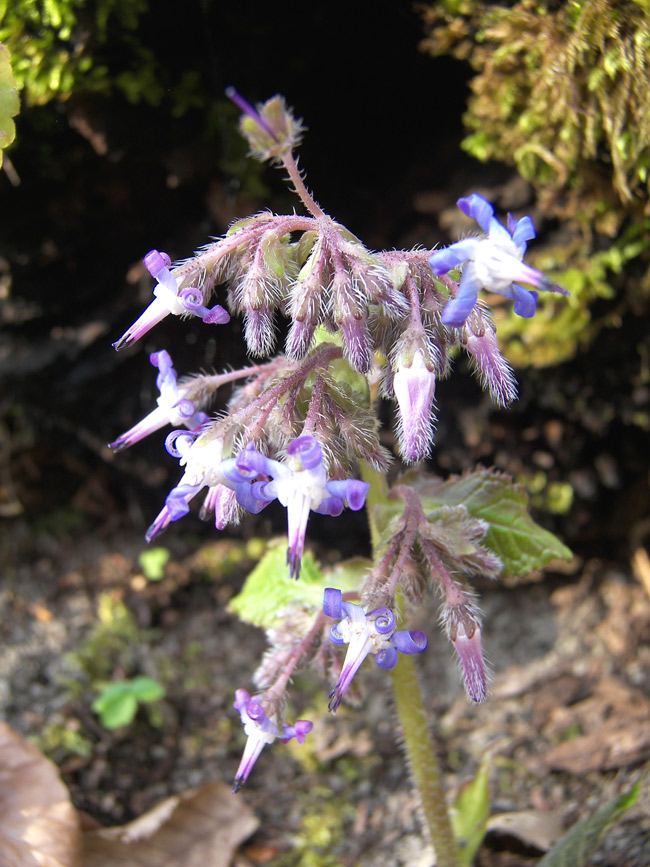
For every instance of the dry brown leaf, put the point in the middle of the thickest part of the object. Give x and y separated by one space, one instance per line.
536 829
200 828
617 744
38 824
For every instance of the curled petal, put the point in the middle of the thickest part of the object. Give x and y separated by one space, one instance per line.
178 441
332 600
383 619
156 263
525 301
353 491
308 450
251 461
478 208
255 711
387 658
410 642
522 230
217 315
302 729
191 298
332 506
335 635
178 498
185 407
249 499
458 309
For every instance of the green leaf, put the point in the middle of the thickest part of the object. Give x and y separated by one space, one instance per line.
116 705
469 815
269 588
146 689
520 543
9 101
153 562
579 842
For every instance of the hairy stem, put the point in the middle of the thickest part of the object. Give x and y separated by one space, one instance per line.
289 162
418 746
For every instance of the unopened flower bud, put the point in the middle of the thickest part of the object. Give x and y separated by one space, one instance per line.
464 630
414 386
270 129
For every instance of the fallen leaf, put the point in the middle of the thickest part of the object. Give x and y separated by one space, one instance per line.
536 829
39 826
615 724
200 828
616 744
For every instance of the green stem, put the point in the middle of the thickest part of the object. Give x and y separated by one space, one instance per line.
419 748
421 756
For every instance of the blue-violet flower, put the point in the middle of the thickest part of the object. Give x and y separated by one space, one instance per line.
492 262
201 458
261 731
173 408
300 484
169 299
365 633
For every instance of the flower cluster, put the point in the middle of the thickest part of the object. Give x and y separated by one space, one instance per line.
298 426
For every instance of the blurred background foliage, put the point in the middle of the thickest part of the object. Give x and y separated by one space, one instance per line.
562 92
60 46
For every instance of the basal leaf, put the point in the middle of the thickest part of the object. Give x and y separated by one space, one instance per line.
520 543
269 588
469 815
579 842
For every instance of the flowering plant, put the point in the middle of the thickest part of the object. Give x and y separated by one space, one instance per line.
302 427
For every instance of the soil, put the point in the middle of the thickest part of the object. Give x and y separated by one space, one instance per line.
566 721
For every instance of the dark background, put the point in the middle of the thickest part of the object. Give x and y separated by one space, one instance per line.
103 181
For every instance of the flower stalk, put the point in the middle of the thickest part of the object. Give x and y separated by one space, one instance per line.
412 717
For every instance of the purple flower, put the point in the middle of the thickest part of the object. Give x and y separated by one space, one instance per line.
260 731
300 484
414 386
492 262
365 633
173 408
201 458
169 299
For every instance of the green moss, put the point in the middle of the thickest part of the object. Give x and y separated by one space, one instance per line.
562 93
322 829
61 738
112 643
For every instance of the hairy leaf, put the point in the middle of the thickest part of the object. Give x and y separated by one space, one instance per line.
38 824
579 842
269 588
519 542
200 828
